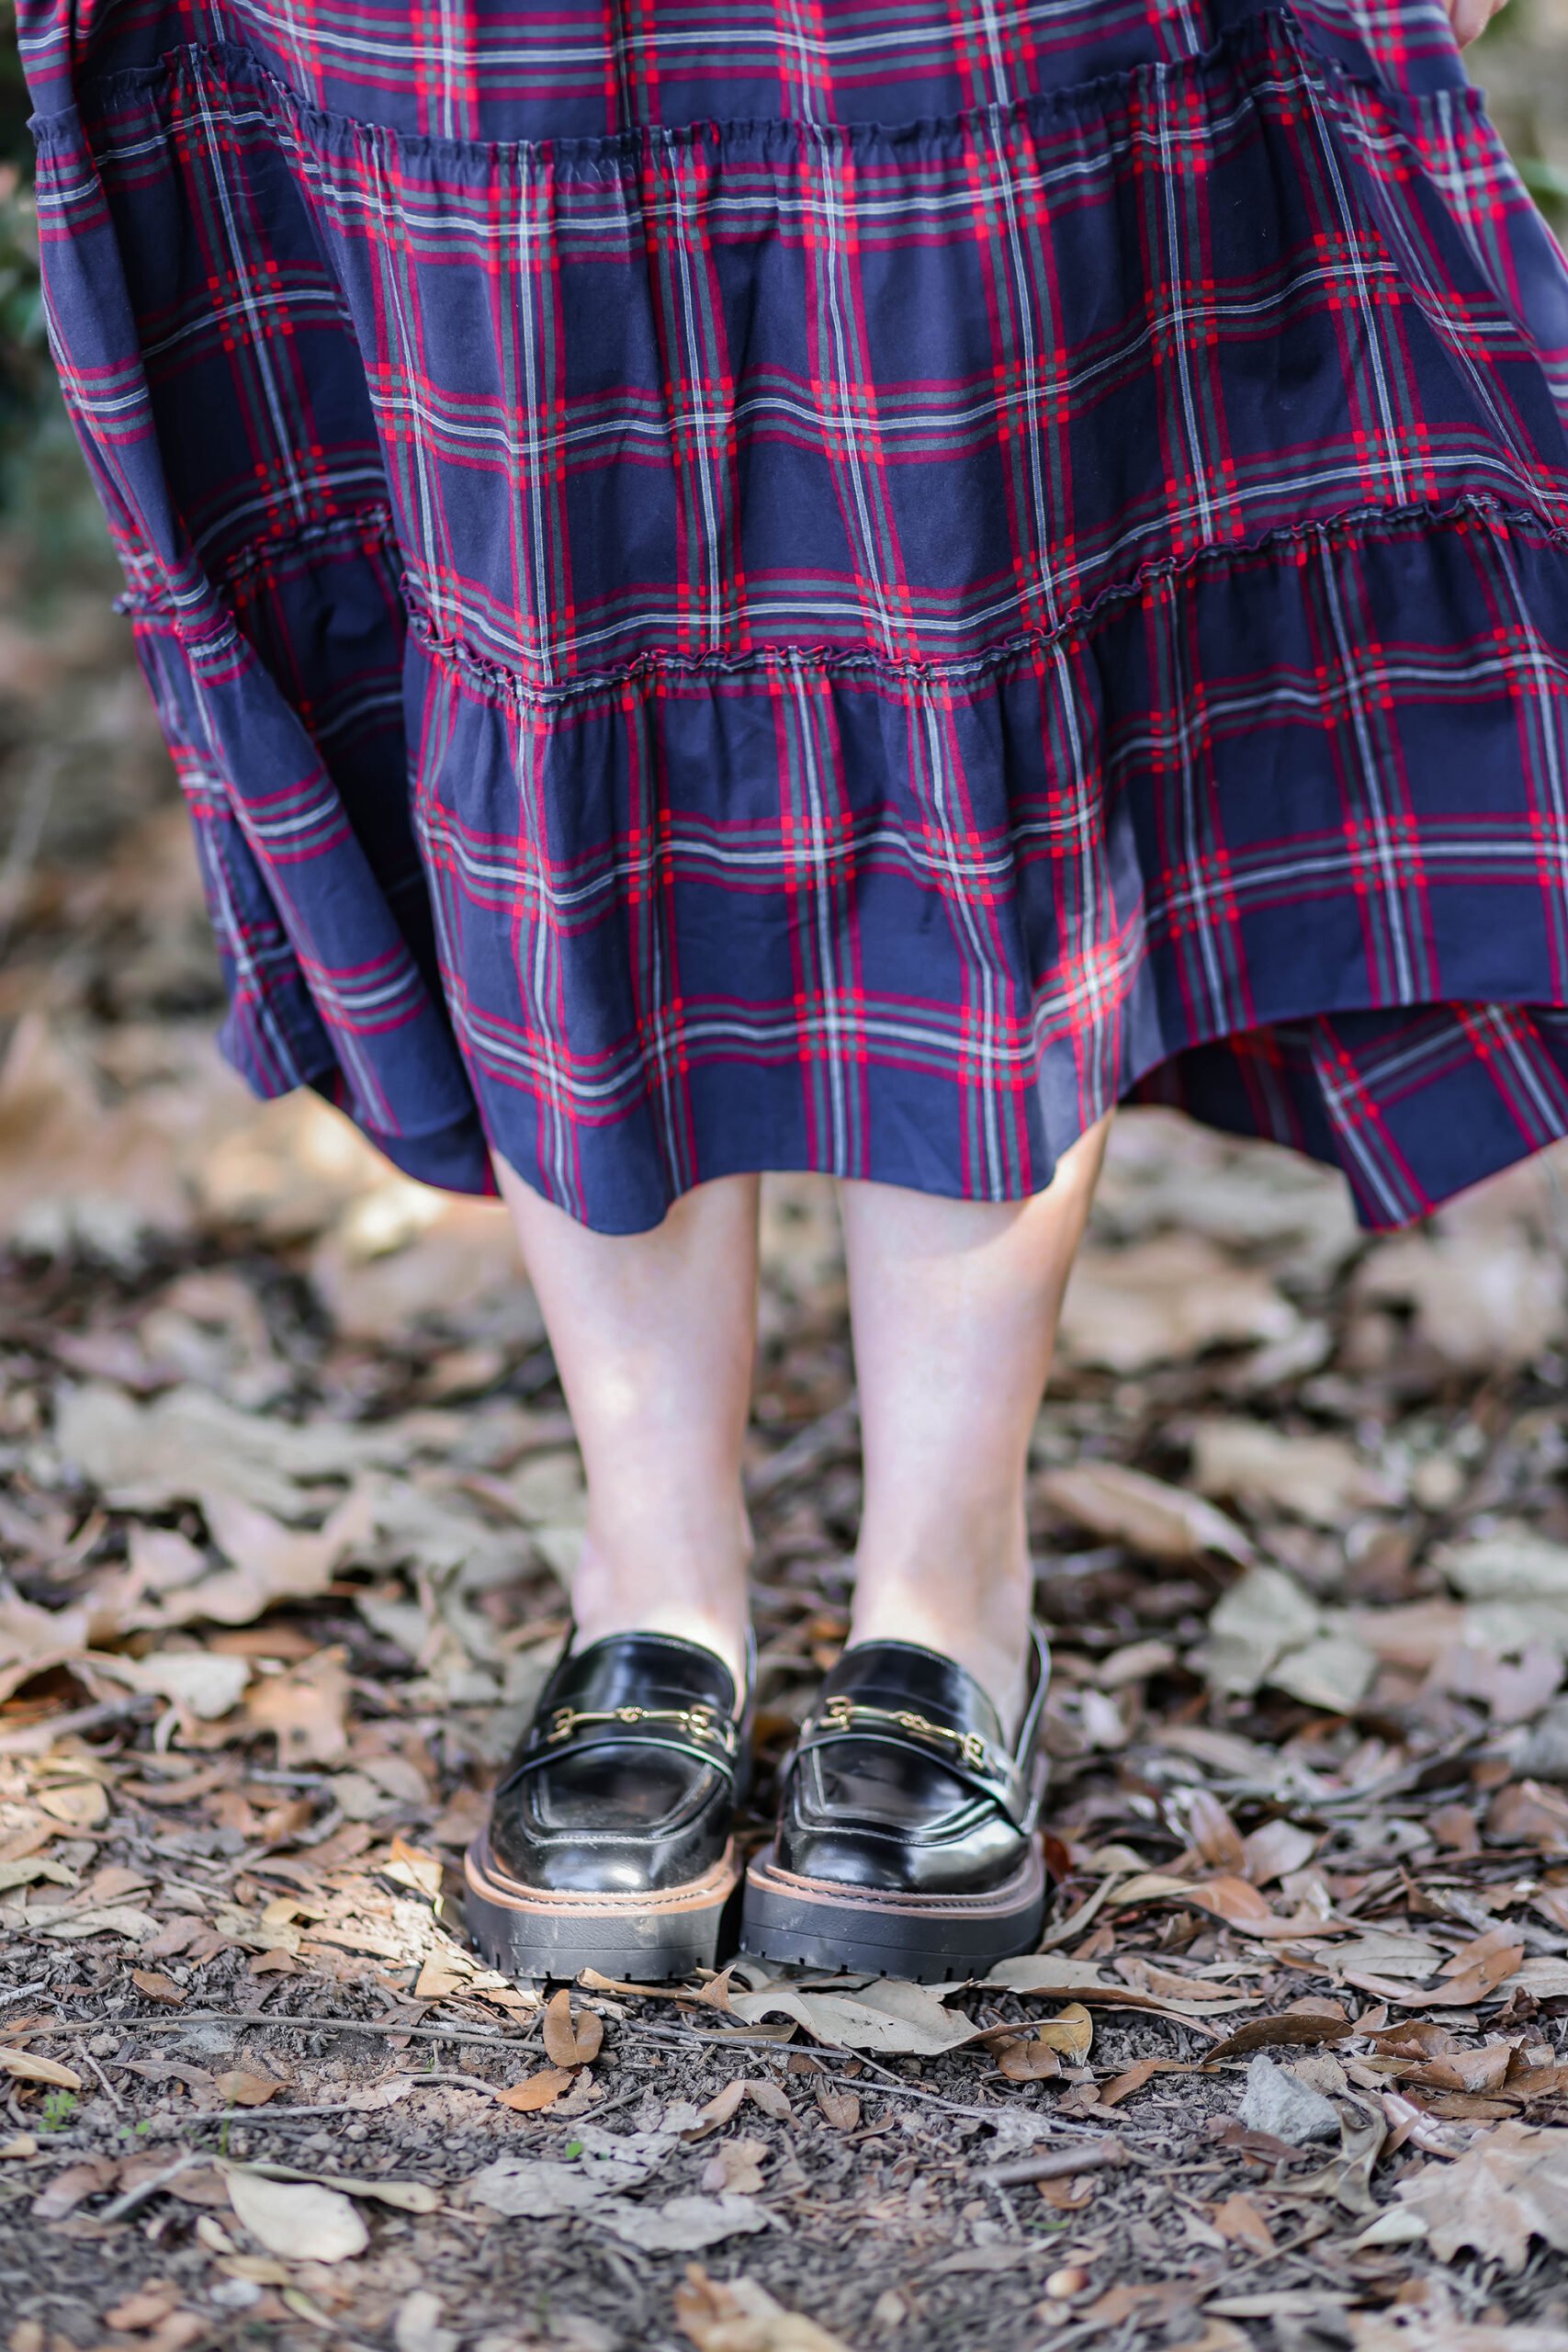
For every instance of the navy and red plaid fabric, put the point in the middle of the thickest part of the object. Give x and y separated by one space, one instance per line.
803 584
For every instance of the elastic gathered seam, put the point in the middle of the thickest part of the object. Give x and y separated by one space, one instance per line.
367 530
516 691
509 687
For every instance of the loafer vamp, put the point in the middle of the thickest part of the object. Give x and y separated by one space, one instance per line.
863 1817
639 1670
887 1812
618 1807
649 1819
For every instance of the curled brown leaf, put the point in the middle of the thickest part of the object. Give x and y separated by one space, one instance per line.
570 2040
536 2091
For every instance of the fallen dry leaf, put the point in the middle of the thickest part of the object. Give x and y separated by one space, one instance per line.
32 1638
841 2109
570 2040
242 2089
200 1682
1479 1966
1403 2329
1346 2177
305 1710
1162 1301
69 2187
1049 1977
80 1804
890 2015
74 1167
1027 2062
1235 1900
32 2066
189 1446
1272 2033
1215 1837
1321 1479
300 2219
1527 1813
417 2327
536 2091
719 2110
414 1866
154 2302
1238 2220
1267 1630
680 2224
1479 1302
269 1561
1160 1522
404 2196
156 1986
124 1919
1070 2033
1276 1849
771 2097
1135 2078
736 2164
538 2188
1508 2186
444 1257
743 2317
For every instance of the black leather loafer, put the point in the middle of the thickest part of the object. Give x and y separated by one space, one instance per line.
608 1844
907 1841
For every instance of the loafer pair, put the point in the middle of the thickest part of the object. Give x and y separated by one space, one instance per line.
907 1841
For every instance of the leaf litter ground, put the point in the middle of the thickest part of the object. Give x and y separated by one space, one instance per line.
287 1499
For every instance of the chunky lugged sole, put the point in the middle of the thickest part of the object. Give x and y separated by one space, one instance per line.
930 1939
529 1931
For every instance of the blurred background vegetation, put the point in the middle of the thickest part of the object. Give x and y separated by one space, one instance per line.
48 510
21 318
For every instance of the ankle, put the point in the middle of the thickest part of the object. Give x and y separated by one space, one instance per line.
981 1623
695 1593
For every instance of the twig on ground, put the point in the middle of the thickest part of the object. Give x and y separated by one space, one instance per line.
781 2052
102 2078
499 2038
250 2116
39 1738
150 2187
1058 2163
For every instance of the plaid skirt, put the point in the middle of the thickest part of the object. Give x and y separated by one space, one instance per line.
838 583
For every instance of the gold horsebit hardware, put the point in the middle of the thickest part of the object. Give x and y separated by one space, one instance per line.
842 1714
698 1722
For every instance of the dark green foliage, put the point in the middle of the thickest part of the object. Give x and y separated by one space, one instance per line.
26 392
47 501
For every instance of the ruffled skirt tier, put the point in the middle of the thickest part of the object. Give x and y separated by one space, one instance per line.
851 623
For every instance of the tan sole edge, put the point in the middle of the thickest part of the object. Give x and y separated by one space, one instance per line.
934 1939
885 1903
487 1879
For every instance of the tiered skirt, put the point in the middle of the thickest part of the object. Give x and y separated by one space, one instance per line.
839 586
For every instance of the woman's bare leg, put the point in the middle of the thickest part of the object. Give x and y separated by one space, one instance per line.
1471 18
654 1336
954 1306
